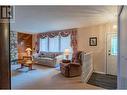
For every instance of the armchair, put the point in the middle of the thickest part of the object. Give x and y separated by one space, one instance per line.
72 69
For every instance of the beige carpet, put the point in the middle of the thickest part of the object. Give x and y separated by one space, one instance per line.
45 78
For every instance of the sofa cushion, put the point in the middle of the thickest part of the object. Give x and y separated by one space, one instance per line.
49 54
35 55
46 58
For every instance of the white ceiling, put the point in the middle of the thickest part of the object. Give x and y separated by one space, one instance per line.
34 19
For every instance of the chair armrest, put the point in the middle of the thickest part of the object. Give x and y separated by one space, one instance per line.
64 64
74 64
59 58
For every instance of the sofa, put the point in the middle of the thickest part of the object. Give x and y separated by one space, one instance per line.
51 59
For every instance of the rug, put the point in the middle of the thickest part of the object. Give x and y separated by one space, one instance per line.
103 80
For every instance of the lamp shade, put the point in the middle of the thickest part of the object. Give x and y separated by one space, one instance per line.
66 52
28 49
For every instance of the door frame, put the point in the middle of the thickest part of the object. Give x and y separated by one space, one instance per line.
119 78
108 33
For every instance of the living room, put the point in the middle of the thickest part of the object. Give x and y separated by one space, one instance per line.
67 30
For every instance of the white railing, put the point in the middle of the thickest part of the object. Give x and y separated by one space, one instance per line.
87 67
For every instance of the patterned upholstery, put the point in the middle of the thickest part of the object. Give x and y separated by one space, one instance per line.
51 59
49 54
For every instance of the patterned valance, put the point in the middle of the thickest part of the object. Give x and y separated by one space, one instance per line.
63 33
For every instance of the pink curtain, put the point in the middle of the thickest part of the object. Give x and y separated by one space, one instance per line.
38 43
74 44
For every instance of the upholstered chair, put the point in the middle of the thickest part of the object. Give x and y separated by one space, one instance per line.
71 69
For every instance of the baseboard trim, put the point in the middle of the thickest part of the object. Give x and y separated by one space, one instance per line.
99 72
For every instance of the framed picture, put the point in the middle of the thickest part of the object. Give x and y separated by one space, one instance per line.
93 41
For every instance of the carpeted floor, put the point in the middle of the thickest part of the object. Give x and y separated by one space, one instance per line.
103 80
45 78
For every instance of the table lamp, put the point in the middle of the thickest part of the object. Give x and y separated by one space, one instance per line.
28 50
67 52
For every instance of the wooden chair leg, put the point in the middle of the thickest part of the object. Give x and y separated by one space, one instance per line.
30 66
22 65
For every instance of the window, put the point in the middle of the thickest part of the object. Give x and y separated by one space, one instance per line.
65 43
44 44
114 46
55 44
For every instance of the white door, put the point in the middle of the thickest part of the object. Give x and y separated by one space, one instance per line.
112 53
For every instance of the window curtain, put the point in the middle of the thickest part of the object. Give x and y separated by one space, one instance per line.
62 33
38 43
74 44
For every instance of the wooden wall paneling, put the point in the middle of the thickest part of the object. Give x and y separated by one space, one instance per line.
24 41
